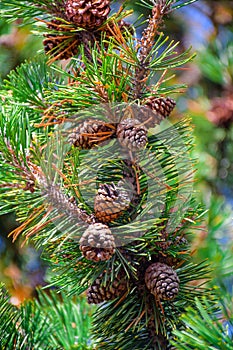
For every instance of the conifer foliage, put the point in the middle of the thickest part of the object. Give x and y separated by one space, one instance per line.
94 178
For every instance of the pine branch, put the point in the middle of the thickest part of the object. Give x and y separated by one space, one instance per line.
67 170
179 3
147 43
148 55
71 320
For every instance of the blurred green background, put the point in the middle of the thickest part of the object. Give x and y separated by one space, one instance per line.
208 100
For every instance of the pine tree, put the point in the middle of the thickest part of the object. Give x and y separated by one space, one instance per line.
98 176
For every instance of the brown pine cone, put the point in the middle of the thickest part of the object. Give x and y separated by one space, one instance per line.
97 243
90 133
87 14
131 134
156 109
162 281
59 47
110 290
110 202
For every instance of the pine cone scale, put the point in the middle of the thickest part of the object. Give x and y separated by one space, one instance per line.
87 13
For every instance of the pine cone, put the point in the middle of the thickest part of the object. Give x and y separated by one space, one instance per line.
160 107
97 243
110 290
91 133
110 202
162 281
132 134
58 46
87 13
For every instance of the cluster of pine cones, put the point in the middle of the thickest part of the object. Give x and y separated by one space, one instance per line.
130 132
97 242
86 15
112 201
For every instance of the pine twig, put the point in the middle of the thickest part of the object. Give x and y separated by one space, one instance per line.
160 9
59 200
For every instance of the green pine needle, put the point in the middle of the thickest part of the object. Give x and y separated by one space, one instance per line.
51 322
206 327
